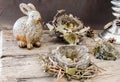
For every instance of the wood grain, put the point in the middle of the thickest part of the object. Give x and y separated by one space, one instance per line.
0 44
22 65
0 52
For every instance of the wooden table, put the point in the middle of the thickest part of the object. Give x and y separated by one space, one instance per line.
22 65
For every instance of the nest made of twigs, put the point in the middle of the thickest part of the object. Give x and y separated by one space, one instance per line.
76 65
69 22
72 56
69 28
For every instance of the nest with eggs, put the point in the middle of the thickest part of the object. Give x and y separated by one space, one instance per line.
69 28
71 62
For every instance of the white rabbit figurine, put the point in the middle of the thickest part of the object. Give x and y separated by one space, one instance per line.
27 30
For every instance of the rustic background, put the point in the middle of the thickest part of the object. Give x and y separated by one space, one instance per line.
95 13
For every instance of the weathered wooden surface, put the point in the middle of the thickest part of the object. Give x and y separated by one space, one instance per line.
22 65
0 44
0 52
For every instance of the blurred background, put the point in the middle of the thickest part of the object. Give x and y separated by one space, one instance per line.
93 13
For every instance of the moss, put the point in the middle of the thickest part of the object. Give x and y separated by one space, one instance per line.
105 53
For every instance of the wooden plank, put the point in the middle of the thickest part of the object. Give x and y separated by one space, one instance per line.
0 43
111 73
22 65
28 80
10 45
48 39
0 52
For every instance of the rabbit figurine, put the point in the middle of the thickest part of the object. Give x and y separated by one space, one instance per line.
27 30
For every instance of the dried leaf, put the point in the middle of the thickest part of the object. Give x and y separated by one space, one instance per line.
71 38
71 71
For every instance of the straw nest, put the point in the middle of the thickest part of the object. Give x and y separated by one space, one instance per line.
69 28
71 62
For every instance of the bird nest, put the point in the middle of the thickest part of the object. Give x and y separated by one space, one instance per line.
72 56
71 62
69 28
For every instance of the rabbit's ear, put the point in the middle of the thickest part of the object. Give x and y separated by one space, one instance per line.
24 8
31 6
